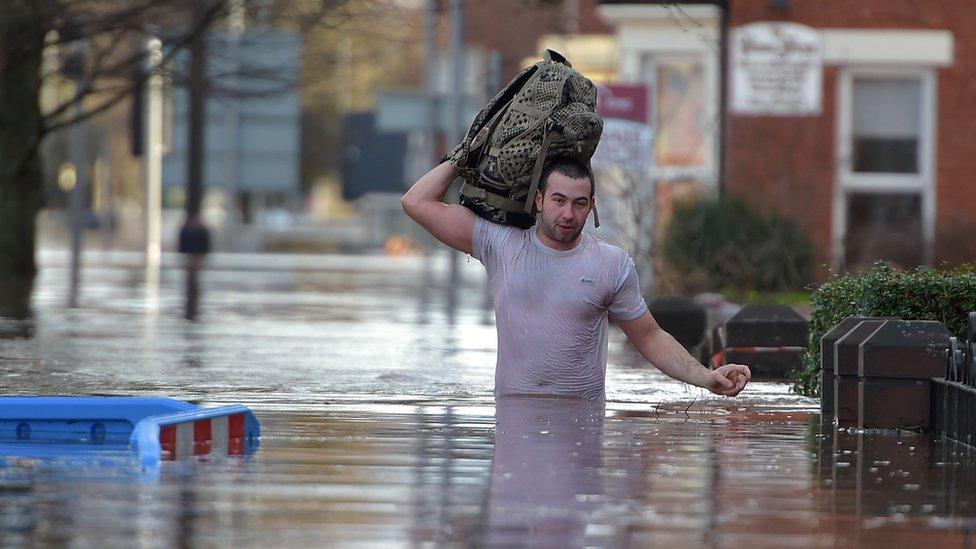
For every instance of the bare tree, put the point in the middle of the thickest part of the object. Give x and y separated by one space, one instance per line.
99 46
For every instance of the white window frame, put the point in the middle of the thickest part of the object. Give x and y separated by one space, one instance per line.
849 181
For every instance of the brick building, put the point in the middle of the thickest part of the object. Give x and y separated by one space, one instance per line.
513 28
873 162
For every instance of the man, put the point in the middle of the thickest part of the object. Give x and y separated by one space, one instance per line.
555 287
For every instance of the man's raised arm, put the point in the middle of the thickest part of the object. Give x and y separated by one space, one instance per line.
452 224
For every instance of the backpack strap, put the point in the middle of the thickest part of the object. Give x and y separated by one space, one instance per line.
482 136
596 215
540 162
491 199
534 112
553 55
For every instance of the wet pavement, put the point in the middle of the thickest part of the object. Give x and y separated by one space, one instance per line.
379 428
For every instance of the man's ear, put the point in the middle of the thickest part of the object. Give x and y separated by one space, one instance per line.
538 201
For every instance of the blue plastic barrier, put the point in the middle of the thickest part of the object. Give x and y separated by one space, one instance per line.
152 428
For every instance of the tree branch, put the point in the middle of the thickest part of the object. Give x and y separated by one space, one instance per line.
86 89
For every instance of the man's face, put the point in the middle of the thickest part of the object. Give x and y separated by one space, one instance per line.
563 210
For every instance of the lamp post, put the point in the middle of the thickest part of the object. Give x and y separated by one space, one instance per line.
153 161
456 134
73 67
194 239
235 31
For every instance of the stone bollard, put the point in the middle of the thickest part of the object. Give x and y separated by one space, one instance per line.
846 372
895 364
768 338
827 343
681 317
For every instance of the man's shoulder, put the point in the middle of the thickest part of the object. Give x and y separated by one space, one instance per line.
498 229
496 236
607 250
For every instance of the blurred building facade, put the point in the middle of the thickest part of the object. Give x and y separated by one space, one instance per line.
499 39
252 134
851 120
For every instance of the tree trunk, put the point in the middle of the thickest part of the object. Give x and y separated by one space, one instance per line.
21 45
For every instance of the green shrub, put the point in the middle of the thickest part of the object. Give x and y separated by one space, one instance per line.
721 243
919 294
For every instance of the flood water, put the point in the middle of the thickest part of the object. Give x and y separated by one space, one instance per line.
379 428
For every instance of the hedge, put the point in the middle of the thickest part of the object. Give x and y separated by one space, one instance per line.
919 294
718 243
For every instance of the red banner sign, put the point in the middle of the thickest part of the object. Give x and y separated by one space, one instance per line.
623 102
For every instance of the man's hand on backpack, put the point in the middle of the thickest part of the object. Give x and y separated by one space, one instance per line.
729 380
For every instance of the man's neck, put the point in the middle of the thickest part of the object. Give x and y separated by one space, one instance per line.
555 244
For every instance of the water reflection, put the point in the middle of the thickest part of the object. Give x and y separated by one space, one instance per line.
16 328
193 263
546 473
898 480
541 472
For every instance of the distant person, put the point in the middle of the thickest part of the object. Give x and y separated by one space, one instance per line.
555 288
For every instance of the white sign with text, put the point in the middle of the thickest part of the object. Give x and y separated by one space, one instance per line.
627 135
776 69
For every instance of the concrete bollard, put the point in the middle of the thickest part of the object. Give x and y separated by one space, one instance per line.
827 343
846 372
895 364
681 317
768 338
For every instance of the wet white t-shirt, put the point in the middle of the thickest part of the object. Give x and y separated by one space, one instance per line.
552 307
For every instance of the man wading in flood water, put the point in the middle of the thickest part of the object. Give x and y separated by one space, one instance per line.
555 287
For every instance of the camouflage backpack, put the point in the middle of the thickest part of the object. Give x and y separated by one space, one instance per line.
547 111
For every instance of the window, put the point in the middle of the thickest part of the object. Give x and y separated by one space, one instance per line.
678 112
883 226
886 125
679 105
884 207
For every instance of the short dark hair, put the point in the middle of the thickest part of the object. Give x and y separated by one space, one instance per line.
570 167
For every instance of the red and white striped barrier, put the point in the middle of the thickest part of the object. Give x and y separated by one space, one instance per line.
220 435
226 430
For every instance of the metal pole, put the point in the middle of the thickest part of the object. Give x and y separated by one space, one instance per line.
194 241
430 77
492 84
79 152
457 70
457 76
76 199
723 86
153 160
194 236
74 68
106 186
198 61
430 151
235 26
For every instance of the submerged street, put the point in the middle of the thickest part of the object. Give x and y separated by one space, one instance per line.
379 427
